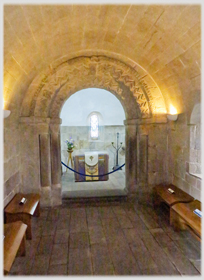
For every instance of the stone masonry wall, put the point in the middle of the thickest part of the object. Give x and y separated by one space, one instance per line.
12 176
152 157
165 152
180 139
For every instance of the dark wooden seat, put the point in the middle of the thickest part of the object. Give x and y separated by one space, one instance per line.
161 194
14 243
23 212
182 217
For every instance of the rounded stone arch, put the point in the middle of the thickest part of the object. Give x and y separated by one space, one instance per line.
47 94
41 107
195 141
130 108
56 112
195 117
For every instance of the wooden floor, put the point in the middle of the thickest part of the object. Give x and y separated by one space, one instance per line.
107 238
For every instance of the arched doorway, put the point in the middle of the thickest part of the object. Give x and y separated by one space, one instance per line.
41 109
76 115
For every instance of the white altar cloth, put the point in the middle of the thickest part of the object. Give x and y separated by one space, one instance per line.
91 158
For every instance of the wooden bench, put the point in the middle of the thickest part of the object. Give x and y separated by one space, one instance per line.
14 243
14 211
162 194
182 217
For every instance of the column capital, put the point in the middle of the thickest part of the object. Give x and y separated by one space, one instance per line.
155 119
131 122
55 121
34 120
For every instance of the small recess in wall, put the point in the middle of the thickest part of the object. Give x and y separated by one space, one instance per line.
6 113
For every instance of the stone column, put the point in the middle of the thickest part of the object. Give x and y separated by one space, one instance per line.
131 155
55 154
152 157
142 163
137 152
35 157
45 166
44 148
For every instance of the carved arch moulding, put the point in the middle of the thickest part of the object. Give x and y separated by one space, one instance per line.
139 98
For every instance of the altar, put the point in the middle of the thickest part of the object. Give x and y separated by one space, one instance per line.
91 163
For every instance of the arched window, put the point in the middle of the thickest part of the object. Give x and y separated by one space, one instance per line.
94 126
195 141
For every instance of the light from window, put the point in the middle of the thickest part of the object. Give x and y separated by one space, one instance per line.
94 126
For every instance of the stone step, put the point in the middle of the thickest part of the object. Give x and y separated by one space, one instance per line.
77 201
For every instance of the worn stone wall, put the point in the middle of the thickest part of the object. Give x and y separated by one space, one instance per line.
195 149
152 163
180 145
165 153
32 159
12 158
195 141
80 134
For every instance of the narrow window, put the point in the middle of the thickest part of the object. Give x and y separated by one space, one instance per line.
94 126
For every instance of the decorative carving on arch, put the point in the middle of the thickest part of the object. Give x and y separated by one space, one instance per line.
49 95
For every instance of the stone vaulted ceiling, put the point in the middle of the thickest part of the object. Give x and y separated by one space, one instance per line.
155 48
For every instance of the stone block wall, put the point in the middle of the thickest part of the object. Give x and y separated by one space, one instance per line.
195 149
152 155
165 154
183 142
12 175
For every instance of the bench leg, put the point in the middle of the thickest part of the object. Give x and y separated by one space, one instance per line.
5 272
22 248
156 200
27 221
25 218
37 211
176 221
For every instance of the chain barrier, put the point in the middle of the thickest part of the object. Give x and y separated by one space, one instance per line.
92 175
